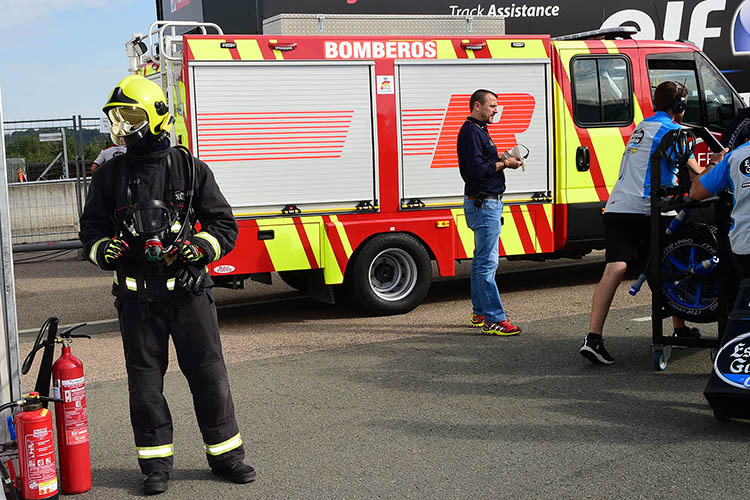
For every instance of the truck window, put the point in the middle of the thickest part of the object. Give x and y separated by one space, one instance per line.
721 103
602 91
682 70
712 102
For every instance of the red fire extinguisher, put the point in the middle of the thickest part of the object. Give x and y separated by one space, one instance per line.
72 422
36 450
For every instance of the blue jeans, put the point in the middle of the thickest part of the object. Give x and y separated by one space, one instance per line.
485 222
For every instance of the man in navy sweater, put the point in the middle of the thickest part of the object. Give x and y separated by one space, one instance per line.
483 173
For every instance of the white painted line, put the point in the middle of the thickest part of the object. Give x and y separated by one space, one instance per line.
642 320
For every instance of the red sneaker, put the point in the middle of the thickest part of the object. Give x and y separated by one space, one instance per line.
504 328
476 321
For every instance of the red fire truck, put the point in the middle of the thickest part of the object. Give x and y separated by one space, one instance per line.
338 153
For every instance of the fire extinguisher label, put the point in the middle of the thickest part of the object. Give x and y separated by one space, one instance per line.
73 394
40 456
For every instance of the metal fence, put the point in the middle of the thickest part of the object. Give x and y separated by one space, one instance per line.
48 163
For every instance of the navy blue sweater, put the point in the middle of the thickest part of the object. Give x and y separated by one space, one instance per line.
477 156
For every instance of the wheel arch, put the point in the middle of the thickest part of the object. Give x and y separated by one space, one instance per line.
363 243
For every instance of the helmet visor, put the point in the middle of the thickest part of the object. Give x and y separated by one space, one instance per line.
127 120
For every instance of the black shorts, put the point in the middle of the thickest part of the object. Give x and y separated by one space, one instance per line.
627 237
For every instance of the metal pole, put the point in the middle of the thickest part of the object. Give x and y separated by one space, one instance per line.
10 362
78 167
85 190
66 174
49 166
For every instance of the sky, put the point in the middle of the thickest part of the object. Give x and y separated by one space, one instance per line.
60 58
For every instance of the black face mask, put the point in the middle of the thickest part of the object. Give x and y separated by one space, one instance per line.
148 144
153 221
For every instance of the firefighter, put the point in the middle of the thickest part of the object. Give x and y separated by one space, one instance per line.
139 221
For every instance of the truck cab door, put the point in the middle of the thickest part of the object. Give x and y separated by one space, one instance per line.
595 112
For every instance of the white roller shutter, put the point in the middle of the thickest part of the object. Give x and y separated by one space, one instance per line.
434 102
286 133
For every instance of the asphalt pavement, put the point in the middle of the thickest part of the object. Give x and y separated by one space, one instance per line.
419 406
451 416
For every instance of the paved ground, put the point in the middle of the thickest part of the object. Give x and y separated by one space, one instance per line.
334 404
453 415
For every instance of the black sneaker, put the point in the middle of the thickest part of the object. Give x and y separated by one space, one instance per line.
237 472
687 332
593 350
155 483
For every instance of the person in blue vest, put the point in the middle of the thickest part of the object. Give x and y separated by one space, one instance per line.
140 221
731 172
627 214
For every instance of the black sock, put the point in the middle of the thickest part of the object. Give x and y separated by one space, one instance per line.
594 336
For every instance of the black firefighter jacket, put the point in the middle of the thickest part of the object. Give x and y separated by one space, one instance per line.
153 176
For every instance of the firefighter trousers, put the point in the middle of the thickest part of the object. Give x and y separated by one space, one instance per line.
192 323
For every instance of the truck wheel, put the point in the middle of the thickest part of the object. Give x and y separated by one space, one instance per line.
295 279
690 297
390 275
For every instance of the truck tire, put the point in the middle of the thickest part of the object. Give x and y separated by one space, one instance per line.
691 298
391 274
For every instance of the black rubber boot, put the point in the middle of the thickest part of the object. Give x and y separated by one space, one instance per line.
237 472
155 483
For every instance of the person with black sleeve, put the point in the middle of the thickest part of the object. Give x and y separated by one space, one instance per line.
483 173
139 221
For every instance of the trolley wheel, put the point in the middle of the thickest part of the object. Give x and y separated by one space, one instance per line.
721 415
660 356
690 297
391 274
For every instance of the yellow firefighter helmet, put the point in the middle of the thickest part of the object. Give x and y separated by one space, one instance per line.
135 107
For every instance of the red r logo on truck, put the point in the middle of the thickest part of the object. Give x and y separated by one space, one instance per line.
514 110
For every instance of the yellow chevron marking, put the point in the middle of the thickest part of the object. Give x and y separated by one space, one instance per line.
638 111
312 226
509 234
342 235
332 274
550 214
209 50
568 50
465 235
469 52
611 46
285 249
532 49
530 220
445 50
567 144
249 50
277 53
609 148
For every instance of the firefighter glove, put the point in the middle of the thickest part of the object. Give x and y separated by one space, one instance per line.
190 253
111 250
191 278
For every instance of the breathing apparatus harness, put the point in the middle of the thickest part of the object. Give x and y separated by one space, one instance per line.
155 221
162 227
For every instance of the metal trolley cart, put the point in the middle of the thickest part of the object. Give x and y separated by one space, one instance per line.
689 265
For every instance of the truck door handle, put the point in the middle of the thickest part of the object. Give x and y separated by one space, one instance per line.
583 158
266 234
